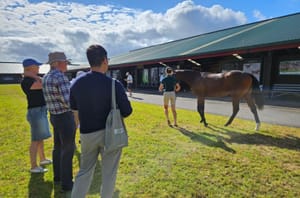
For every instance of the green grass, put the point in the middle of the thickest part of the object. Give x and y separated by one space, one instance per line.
189 161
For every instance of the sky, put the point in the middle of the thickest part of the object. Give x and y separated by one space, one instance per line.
33 28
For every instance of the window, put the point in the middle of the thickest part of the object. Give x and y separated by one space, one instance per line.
230 66
289 67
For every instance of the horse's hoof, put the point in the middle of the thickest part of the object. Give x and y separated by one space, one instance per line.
205 125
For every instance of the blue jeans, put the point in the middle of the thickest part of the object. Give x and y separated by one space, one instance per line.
64 146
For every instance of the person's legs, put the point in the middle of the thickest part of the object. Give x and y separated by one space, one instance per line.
39 129
67 150
173 107
129 89
110 163
130 92
90 148
174 114
167 114
56 153
64 146
166 106
33 153
41 150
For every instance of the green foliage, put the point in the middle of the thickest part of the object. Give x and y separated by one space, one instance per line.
160 161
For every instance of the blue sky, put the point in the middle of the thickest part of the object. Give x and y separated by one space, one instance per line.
267 8
33 28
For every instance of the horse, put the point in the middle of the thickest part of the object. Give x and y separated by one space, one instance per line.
237 84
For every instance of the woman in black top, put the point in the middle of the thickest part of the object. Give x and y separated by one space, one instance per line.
36 114
169 85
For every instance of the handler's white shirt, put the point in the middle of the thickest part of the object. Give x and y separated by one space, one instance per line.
129 79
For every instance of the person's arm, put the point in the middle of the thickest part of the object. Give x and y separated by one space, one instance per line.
161 87
74 109
76 118
177 87
122 100
36 85
32 75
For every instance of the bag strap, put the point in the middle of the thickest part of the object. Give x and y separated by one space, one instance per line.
113 95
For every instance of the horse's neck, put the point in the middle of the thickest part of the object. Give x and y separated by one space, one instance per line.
187 77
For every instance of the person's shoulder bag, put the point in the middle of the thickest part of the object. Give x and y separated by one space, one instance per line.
115 130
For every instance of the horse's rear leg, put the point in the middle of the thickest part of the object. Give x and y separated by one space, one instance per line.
236 108
200 108
252 107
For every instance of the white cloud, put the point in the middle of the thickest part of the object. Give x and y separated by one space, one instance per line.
36 29
258 15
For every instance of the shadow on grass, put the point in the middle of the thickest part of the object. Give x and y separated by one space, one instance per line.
287 142
205 140
38 187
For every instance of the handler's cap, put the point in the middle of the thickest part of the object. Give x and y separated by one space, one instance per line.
57 56
29 62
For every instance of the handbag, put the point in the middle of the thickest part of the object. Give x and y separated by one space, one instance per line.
115 130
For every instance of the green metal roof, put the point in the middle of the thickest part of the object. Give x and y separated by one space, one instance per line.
273 33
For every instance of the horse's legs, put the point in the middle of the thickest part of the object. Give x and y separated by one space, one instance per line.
252 107
236 108
200 108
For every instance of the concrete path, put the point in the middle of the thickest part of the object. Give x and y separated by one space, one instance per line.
288 116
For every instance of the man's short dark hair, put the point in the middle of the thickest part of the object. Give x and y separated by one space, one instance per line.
96 55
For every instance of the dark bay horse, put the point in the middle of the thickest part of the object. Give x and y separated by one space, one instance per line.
237 84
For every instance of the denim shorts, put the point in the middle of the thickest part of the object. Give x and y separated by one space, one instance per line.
39 125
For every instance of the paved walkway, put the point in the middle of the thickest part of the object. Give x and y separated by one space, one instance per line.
274 114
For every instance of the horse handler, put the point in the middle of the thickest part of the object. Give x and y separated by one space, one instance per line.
169 86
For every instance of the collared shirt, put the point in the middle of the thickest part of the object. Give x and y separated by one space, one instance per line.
56 90
91 96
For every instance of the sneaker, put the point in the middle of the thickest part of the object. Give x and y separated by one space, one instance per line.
45 162
38 169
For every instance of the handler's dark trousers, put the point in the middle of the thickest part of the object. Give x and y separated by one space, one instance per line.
64 146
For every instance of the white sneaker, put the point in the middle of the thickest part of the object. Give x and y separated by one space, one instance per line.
38 169
45 162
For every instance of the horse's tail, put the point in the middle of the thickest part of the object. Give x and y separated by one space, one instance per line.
257 94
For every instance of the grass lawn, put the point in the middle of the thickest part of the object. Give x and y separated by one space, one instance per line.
188 161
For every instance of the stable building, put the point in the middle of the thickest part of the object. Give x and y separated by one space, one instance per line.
268 49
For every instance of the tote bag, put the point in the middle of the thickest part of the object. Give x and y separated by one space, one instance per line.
115 131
